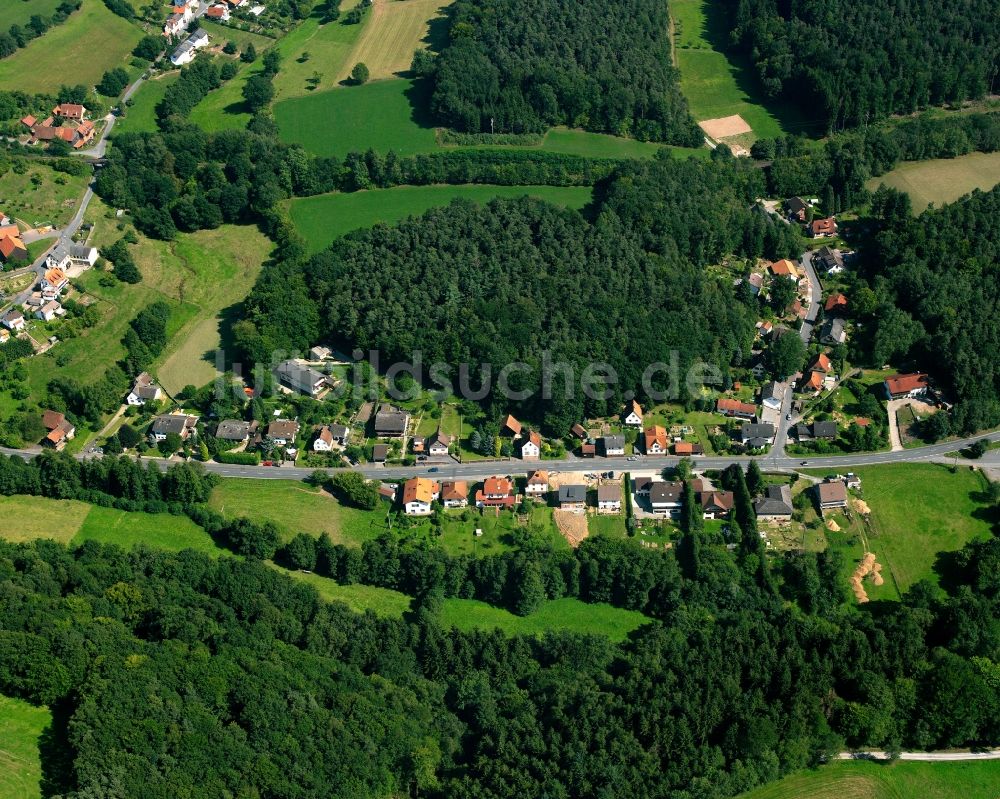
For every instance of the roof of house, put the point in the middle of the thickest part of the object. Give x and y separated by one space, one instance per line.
11 244
510 423
391 420
827 225
419 489
454 490
828 257
13 315
54 276
538 477
325 435
579 430
835 301
802 431
728 405
533 437
52 419
824 429
784 268
232 430
379 452
796 204
833 328
776 501
717 499
820 362
613 442
283 428
150 392
772 390
80 251
662 491
813 380
655 435
611 492
833 491
643 483
751 430
632 407
173 423
587 448
685 448
904 384
572 493
216 11
440 438
299 374
498 485
339 431
68 109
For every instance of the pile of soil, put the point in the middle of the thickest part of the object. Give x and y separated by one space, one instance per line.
832 526
572 525
869 567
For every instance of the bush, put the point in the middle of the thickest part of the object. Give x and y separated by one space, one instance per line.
360 73
239 458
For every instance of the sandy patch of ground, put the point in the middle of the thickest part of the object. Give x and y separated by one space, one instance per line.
862 507
832 526
869 567
572 525
723 127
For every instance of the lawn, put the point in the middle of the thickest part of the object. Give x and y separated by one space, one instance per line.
140 116
359 598
325 217
18 13
160 530
394 30
603 145
223 108
942 180
919 510
296 508
21 727
567 614
92 41
41 196
715 84
901 780
30 517
313 50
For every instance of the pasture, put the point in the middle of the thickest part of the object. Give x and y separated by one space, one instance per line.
942 180
394 30
313 55
29 518
359 598
567 615
41 195
325 217
21 728
140 116
159 530
92 41
21 11
902 780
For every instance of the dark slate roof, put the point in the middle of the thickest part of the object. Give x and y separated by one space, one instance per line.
573 493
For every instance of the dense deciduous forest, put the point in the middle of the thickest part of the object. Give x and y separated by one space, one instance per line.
177 674
846 63
505 283
937 288
516 66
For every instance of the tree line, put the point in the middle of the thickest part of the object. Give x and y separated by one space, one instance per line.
18 36
514 66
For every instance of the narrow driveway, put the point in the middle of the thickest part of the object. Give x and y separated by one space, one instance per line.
934 757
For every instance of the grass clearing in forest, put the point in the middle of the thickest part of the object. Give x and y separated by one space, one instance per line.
325 217
90 42
359 598
567 615
30 518
21 728
140 116
942 180
160 530
856 779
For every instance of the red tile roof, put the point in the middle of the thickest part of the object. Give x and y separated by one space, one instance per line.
835 301
727 405
904 384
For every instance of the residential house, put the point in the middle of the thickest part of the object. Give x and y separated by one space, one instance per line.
632 415
828 260
71 111
579 431
776 504
510 427
820 363
60 429
588 449
686 448
666 497
218 12
282 432
832 495
836 303
824 430
733 407
144 390
609 498
387 491
572 497
188 49
497 492
798 209
49 311
323 441
641 486
179 423
54 280
455 493
716 504
439 445
418 495
234 430
419 445
833 332
531 447
176 23
655 440
538 483
772 395
756 282
851 480
12 248
612 445
822 228
757 436
784 268
379 453
811 382
320 353
13 320
391 422
903 386
82 255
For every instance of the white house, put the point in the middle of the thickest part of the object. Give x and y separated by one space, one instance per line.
531 447
632 415
176 24
538 483
418 494
455 493
81 255
772 395
666 497
331 437
439 445
218 12
609 498
49 311
143 390
13 320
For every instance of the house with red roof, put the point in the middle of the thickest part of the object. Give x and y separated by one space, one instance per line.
907 386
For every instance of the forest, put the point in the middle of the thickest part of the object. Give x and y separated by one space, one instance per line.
177 674
521 66
508 282
846 63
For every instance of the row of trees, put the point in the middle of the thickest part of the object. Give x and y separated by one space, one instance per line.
18 36
516 66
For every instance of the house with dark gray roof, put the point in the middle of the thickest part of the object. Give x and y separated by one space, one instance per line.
179 423
751 434
833 332
826 430
572 497
776 504
233 430
303 379
391 422
612 445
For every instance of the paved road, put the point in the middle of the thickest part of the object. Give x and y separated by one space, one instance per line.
936 757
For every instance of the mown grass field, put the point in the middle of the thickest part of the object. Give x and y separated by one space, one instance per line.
359 598
160 530
297 508
92 41
942 180
715 84
28 518
18 12
21 727
396 29
41 195
140 117
901 780
919 510
326 217
568 614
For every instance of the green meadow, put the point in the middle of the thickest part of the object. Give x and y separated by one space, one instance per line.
325 217
942 180
140 116
21 728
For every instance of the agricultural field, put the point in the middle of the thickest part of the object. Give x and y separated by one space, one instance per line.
603 145
856 779
942 180
20 12
41 196
29 518
393 31
160 530
297 508
717 85
140 116
21 727
326 217
567 614
92 41
359 598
